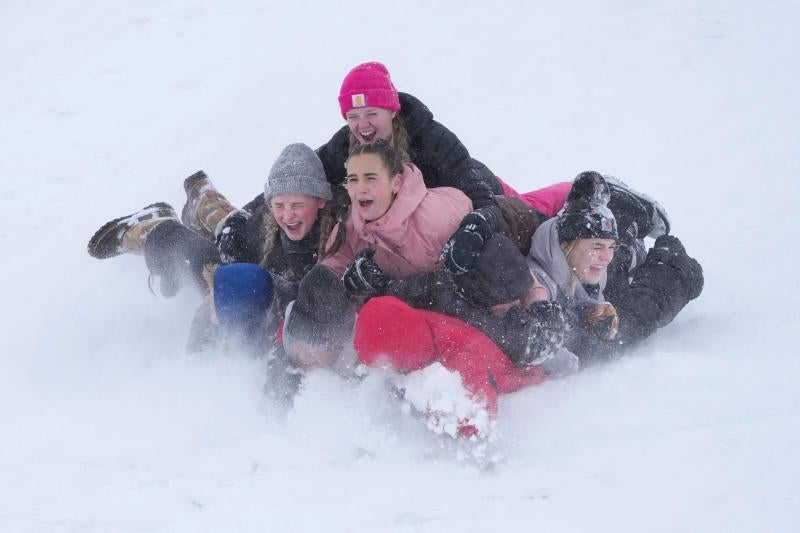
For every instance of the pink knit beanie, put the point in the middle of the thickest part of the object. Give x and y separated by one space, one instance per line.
368 85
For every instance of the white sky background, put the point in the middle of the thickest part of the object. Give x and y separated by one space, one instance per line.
105 108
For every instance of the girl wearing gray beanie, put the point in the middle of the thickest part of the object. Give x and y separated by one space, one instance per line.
284 240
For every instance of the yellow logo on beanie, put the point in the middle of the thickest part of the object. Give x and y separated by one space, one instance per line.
359 100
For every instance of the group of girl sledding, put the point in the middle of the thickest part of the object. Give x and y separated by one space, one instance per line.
390 246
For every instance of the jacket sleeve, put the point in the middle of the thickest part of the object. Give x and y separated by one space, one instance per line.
445 162
435 291
333 155
660 287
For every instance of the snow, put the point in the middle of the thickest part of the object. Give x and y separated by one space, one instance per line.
108 426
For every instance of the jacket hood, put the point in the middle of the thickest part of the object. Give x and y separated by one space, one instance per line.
548 258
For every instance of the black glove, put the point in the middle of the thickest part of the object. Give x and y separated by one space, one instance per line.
231 241
669 250
461 252
542 328
363 275
600 319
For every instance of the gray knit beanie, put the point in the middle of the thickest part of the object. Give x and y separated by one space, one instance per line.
297 170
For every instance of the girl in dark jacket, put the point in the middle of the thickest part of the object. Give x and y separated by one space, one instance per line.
285 240
571 256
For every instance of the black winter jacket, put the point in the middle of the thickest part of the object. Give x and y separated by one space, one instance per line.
439 154
658 289
437 291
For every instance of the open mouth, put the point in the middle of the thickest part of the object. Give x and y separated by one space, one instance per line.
368 135
294 226
365 204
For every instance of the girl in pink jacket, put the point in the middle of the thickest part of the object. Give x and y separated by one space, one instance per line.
393 215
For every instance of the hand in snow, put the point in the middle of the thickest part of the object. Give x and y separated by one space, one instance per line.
542 324
461 252
363 275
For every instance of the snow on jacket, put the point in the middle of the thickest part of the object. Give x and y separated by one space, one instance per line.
439 154
390 333
409 238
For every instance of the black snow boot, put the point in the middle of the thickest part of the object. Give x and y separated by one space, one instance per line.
637 214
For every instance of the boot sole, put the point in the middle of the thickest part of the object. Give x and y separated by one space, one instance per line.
107 241
660 219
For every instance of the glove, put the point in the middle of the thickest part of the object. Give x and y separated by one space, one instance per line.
669 250
231 241
363 275
543 326
600 319
461 252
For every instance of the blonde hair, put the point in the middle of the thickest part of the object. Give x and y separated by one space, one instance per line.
573 277
399 138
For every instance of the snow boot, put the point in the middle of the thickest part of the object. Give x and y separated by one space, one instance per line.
205 206
636 213
127 234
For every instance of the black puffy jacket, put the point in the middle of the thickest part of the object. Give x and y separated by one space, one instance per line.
439 154
441 157
659 288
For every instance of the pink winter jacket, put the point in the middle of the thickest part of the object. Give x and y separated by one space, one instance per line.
409 238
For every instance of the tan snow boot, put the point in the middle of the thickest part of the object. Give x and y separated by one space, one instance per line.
205 206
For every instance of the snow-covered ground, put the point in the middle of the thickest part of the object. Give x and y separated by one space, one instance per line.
106 106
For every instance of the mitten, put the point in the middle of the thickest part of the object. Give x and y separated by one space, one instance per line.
363 275
542 326
461 252
231 241
668 249
601 319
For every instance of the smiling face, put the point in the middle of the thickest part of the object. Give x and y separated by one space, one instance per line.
589 258
370 187
296 213
369 124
